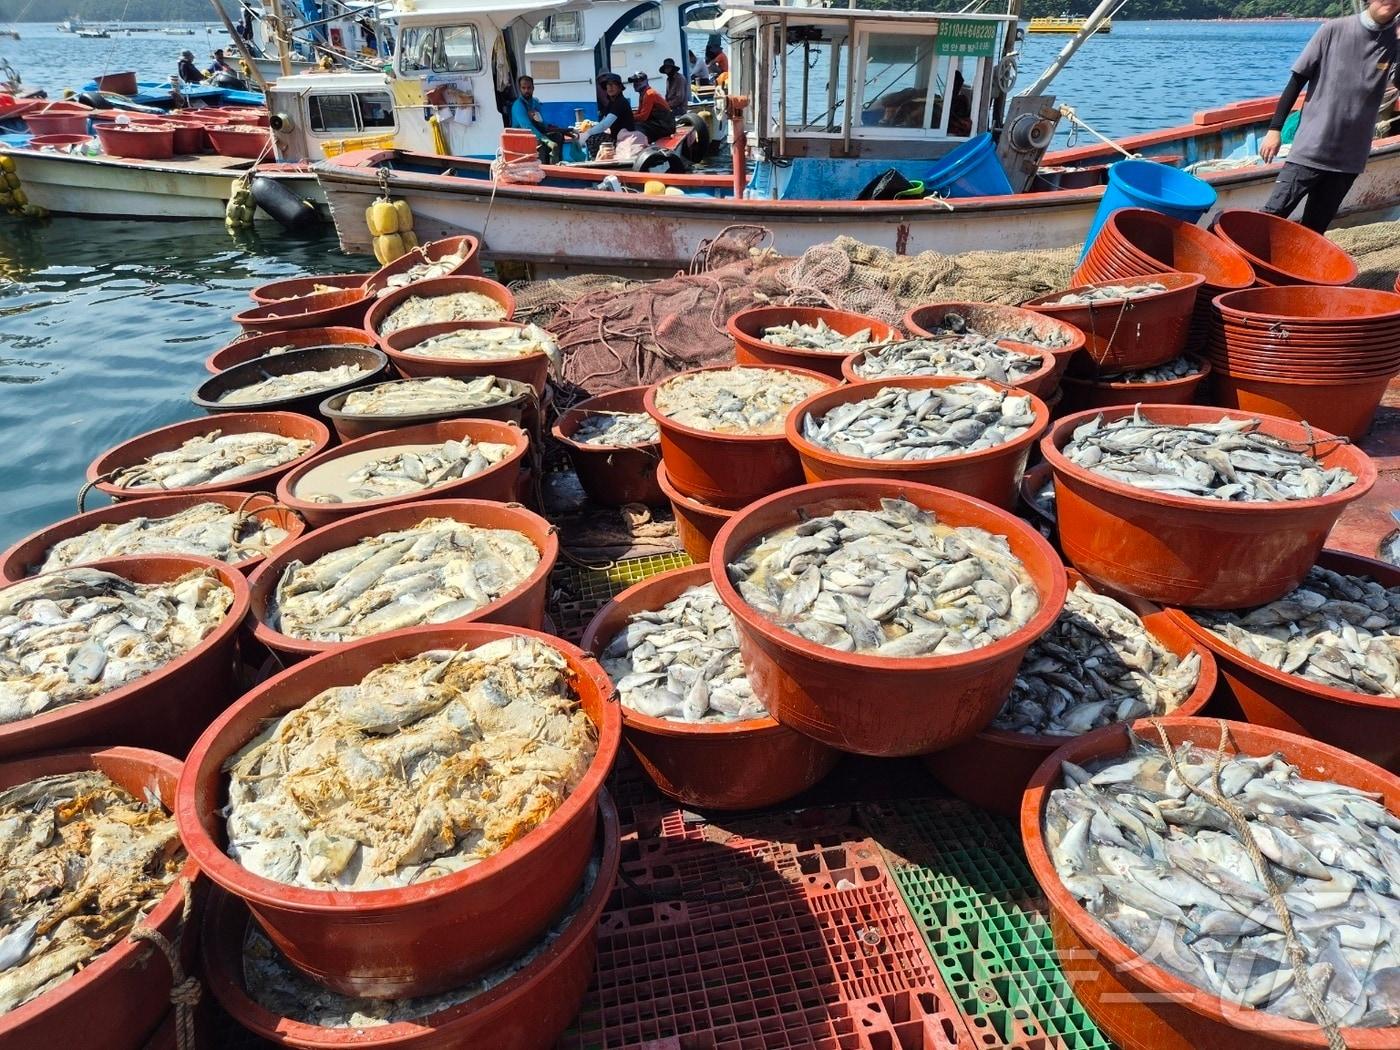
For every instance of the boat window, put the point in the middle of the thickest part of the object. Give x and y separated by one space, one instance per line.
563 28
816 81
376 110
898 81
648 21
440 49
347 112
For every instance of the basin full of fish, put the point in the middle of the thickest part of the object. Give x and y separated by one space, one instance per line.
1176 368
617 430
1230 460
453 756
735 400
1335 629
820 337
681 662
968 356
423 271
953 323
400 470
294 384
1108 293
428 396
84 862
1157 859
214 458
438 570
487 344
894 582
1098 664
71 635
419 310
207 529
903 424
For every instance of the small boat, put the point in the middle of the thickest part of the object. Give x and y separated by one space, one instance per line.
9 34
71 24
92 34
1066 24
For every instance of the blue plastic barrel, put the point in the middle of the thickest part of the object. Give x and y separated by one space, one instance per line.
1157 187
971 170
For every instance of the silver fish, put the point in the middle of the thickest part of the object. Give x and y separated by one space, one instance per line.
422 271
487 344
735 400
397 470
820 337
409 397
1176 368
455 306
617 429
211 459
293 384
209 529
952 323
1109 293
971 356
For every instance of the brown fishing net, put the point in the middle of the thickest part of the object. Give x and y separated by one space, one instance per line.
1376 249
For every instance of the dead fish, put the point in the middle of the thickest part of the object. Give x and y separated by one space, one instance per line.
440 762
436 309
396 470
734 400
488 344
971 356
410 397
1047 337
1176 368
900 424
209 529
1227 460
893 581
211 459
820 337
617 429
294 384
1109 293
426 270
681 662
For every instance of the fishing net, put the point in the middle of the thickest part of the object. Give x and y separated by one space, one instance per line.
1376 249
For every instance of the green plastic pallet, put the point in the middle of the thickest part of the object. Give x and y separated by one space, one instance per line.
576 592
964 878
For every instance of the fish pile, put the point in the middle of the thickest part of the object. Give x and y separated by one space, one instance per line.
617 429
423 271
1098 664
901 424
71 635
1335 629
399 470
423 768
953 323
316 289
734 400
214 458
681 662
1230 460
209 529
820 337
894 582
970 356
438 570
1176 368
437 394
1167 872
294 384
487 344
419 310
281 988
1109 293
84 862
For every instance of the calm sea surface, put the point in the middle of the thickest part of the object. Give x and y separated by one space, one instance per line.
104 326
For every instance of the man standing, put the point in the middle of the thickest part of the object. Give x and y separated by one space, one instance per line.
677 87
1345 68
524 116
190 74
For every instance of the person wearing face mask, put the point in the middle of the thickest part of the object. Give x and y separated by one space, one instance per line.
1346 67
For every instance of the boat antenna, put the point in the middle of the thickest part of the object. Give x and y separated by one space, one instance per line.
1106 9
239 43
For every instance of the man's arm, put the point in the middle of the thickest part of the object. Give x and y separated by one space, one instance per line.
1268 149
520 119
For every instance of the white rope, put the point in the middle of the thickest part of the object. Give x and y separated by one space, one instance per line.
1068 112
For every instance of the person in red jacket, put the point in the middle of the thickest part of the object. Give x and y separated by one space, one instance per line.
654 117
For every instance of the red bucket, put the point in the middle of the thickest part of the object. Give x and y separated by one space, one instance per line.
1136 333
1282 251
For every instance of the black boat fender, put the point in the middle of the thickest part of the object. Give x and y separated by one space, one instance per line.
95 100
697 147
294 214
659 159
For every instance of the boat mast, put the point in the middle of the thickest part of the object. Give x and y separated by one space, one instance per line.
241 44
1105 8
282 34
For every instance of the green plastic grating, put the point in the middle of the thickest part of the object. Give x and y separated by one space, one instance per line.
576 593
964 878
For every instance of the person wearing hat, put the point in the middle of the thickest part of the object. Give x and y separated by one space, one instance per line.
220 63
654 118
677 90
187 70
614 111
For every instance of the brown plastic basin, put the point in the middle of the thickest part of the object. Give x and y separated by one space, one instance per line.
420 939
1339 406
1304 307
1043 382
991 317
990 474
862 702
520 410
530 368
433 251
747 328
697 522
723 765
1083 393
383 306
612 475
1281 251
345 306
299 287
374 366
249 347
1167 244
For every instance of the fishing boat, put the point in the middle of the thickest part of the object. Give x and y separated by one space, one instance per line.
71 24
1066 24
92 34
813 154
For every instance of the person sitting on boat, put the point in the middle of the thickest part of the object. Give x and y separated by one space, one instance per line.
526 117
699 71
715 58
1346 67
654 118
614 111
220 63
187 70
677 88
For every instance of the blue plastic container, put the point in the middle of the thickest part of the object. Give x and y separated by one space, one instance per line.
971 170
1157 187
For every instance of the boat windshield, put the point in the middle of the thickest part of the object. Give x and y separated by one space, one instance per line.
440 49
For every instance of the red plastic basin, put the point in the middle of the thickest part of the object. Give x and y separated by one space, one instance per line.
1131 333
989 318
137 141
727 470
1176 550
1042 383
1137 1003
697 522
496 482
414 940
1282 251
57 141
522 606
522 409
1341 406
143 446
385 304
1167 244
252 346
612 475
530 368
164 710
861 702
1303 307
724 765
1083 393
57 123
297 287
116 1001
746 328
990 474
527 1011
344 306
993 768
433 251
25 557
230 141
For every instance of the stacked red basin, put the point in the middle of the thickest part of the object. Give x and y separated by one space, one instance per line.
1282 251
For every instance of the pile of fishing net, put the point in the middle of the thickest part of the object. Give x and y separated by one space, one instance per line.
1376 249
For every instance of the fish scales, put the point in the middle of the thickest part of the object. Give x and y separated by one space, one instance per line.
211 459
968 356
735 400
294 384
409 397
419 310
1109 293
487 344
208 529
617 429
820 337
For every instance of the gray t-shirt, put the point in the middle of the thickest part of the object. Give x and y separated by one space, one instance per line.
1346 64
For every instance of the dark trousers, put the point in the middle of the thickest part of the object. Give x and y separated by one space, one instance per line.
1324 191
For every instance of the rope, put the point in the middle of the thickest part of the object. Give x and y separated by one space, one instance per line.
185 991
1296 955
1068 112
